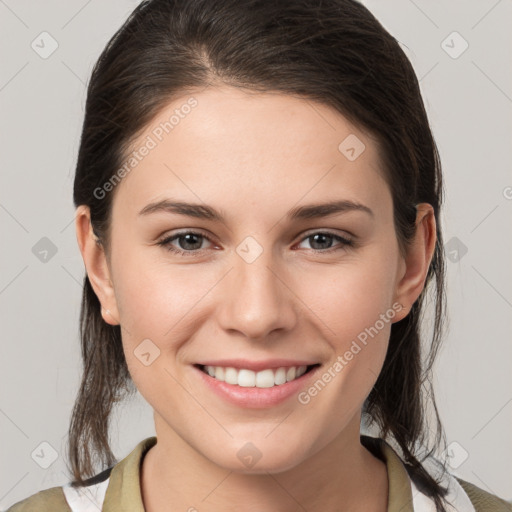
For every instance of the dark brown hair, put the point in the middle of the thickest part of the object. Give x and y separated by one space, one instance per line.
331 51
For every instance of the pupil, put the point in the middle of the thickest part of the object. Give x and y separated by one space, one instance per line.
187 241
322 236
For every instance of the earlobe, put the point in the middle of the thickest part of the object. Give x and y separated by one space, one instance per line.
96 265
417 260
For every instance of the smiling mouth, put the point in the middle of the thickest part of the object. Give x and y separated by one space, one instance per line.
249 379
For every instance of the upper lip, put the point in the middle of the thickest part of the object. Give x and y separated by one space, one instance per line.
257 366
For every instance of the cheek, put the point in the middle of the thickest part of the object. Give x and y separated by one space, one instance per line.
349 298
166 304
152 294
354 308
356 319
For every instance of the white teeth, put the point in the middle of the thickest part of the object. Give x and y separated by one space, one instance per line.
219 373
246 378
230 375
301 370
265 379
280 376
249 379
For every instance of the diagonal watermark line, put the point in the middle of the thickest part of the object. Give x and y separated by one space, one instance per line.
122 327
494 209
72 276
76 14
280 423
14 218
504 298
313 107
407 504
67 225
13 279
14 76
490 490
485 15
83 493
216 487
13 13
199 403
304 195
83 83
428 71
424 14
492 81
301 300
10 490
198 301
224 224
492 418
285 490
13 423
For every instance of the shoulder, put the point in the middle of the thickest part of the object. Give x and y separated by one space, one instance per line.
115 488
49 500
484 501
461 495
68 498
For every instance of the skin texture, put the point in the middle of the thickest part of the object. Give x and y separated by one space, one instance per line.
253 157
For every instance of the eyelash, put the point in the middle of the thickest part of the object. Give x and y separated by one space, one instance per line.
166 242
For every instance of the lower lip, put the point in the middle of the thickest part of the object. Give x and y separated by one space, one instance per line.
256 398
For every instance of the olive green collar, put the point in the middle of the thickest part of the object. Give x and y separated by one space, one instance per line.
399 485
124 488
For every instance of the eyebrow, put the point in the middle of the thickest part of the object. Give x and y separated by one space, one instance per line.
202 211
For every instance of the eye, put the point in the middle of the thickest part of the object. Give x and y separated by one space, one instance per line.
189 241
323 238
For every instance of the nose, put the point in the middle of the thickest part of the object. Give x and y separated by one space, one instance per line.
257 300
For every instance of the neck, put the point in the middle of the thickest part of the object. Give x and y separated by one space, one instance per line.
343 475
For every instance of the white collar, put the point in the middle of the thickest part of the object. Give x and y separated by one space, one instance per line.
456 500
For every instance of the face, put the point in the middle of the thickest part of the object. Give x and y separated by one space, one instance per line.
264 282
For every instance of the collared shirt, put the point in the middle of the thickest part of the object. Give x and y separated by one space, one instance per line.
118 488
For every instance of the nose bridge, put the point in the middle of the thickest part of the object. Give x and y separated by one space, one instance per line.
256 302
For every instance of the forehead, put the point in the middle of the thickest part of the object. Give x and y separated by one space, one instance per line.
225 146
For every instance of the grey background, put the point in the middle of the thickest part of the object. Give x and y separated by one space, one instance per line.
469 101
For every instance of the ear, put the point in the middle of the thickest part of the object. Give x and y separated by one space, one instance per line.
411 279
96 265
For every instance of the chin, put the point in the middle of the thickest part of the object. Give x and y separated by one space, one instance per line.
249 460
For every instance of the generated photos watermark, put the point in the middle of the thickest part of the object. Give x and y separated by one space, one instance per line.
304 397
150 142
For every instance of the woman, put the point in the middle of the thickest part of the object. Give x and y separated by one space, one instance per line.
258 198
